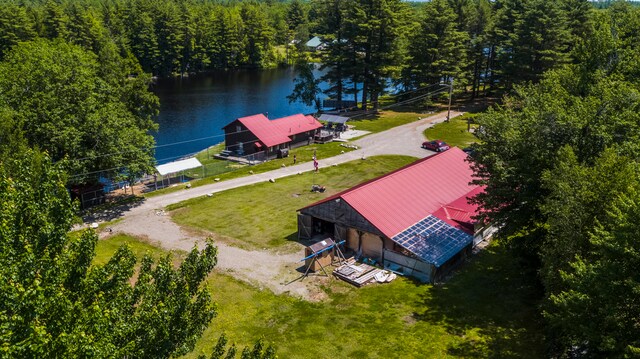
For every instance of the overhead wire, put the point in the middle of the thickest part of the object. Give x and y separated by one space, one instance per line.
242 131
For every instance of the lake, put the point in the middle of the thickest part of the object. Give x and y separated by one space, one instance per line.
193 110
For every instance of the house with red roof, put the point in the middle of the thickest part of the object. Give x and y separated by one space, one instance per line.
258 135
417 220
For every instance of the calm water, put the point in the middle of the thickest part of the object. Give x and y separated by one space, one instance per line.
199 106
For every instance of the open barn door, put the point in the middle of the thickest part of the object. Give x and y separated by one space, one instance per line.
305 226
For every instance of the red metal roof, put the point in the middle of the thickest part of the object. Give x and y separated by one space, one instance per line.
292 125
262 128
459 213
275 132
402 198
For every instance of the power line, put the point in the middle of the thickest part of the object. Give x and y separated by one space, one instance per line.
222 135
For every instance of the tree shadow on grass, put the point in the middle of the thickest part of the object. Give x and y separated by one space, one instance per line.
110 211
490 304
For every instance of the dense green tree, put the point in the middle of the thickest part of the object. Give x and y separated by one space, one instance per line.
374 29
296 14
257 40
15 26
338 54
54 20
560 162
437 49
521 138
227 52
532 37
480 46
55 303
591 254
64 106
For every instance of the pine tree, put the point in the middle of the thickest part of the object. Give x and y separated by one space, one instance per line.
437 50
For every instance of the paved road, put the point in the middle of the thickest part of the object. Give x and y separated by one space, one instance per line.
262 268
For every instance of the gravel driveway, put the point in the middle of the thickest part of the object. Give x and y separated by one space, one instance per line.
273 270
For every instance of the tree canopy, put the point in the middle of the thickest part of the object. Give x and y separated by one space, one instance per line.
55 303
92 116
560 162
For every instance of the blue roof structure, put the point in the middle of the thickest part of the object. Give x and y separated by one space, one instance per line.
433 240
333 118
314 42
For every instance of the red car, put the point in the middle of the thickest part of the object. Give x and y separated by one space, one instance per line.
436 145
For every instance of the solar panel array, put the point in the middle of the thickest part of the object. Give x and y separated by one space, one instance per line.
333 118
433 240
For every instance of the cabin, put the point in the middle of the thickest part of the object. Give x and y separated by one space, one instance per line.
417 221
314 43
253 135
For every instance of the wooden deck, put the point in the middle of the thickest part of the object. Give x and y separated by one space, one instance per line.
355 274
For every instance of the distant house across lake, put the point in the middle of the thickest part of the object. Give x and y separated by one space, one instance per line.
314 43
258 135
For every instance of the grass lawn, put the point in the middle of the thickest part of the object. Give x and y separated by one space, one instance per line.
107 247
453 132
264 215
225 170
485 310
385 120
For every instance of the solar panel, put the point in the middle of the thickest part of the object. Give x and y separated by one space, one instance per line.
433 240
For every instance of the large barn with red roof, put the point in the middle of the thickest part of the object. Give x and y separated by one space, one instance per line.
417 220
257 134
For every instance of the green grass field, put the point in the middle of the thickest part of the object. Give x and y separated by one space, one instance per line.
225 170
453 132
486 310
385 120
106 248
264 215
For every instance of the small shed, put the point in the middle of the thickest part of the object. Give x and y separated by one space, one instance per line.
319 254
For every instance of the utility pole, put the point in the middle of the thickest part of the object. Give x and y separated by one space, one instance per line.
449 108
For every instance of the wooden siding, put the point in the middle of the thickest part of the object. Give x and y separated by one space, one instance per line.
232 137
339 212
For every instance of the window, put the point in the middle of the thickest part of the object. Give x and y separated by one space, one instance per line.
238 128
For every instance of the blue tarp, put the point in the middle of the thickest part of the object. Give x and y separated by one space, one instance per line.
433 240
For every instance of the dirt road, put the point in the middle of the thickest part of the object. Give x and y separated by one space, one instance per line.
263 268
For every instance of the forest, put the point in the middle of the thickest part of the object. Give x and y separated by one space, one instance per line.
559 153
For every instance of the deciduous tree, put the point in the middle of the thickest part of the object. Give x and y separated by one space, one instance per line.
55 303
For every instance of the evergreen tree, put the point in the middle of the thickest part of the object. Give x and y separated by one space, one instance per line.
15 26
437 49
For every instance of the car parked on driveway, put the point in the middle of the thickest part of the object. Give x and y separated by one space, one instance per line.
436 145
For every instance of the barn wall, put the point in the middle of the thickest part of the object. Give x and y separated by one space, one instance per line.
371 246
408 266
353 239
342 214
